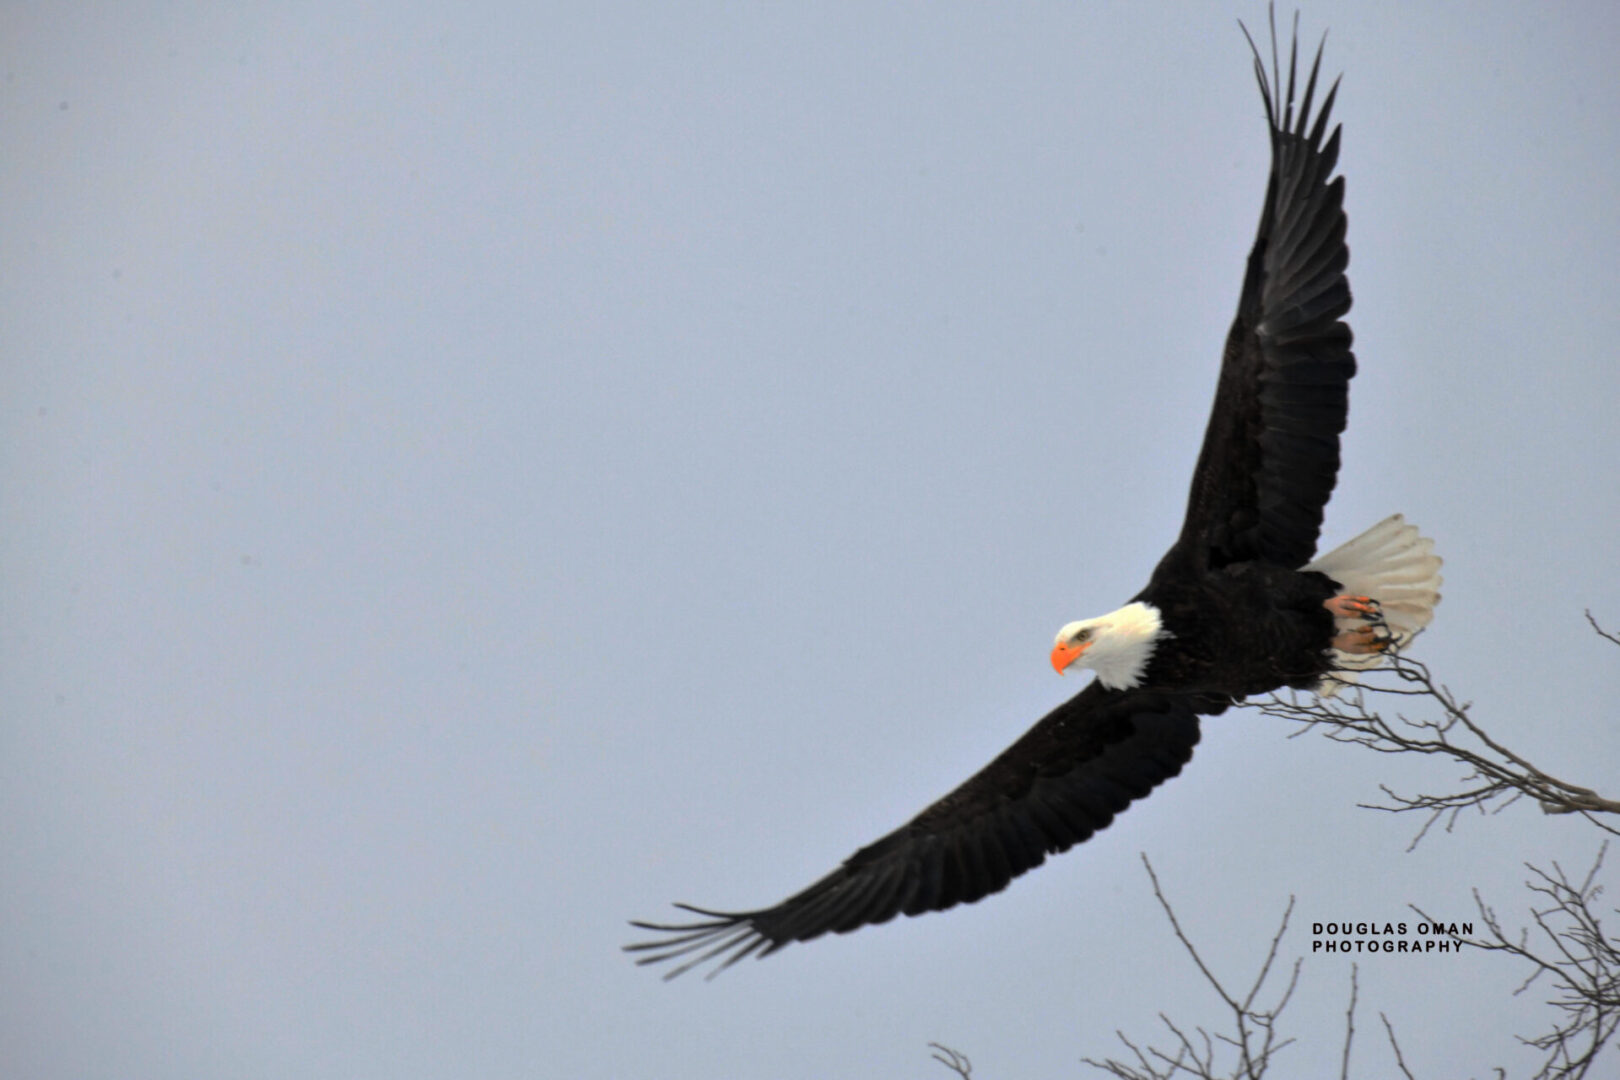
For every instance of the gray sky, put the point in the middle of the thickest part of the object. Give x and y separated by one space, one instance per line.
475 475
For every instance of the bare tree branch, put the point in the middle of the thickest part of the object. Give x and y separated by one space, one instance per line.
1497 775
1576 956
1255 1041
1349 1027
1389 1029
954 1060
1602 633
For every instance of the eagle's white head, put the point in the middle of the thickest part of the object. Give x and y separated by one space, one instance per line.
1117 646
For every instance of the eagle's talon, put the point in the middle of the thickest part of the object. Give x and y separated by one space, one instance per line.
1347 606
1364 640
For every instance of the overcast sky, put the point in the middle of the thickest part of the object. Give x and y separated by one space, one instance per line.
474 475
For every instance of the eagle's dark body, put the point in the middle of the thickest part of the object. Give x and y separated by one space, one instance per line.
1245 628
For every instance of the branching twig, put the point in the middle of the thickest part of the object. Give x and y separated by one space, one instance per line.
1496 774
1602 633
1580 960
954 1060
1255 1041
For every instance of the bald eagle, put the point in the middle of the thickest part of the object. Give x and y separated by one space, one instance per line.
1236 607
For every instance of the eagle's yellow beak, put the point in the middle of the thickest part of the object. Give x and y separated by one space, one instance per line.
1064 655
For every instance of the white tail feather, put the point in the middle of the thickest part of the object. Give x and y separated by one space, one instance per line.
1394 565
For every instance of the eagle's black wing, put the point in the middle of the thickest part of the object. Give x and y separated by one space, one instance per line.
1062 781
1271 451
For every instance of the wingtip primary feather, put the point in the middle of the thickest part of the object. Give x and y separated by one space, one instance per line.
720 933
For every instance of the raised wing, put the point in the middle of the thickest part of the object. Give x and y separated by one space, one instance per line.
1271 451
1063 780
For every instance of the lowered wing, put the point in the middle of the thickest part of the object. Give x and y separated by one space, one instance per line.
1066 778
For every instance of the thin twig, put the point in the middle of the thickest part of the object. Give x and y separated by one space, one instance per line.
954 1060
1389 1030
1349 1027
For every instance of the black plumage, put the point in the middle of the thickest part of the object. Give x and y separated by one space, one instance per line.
1242 615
